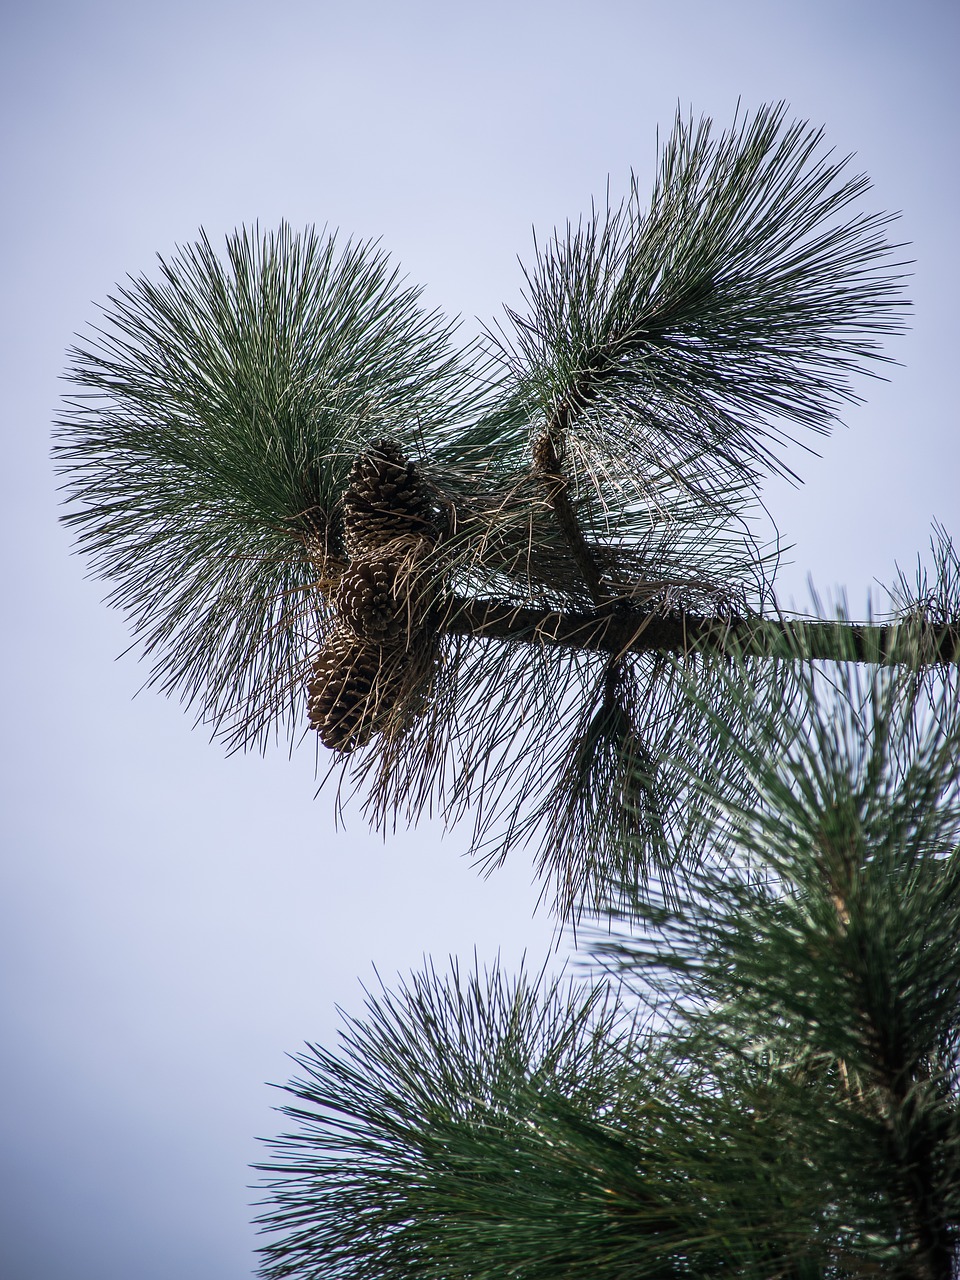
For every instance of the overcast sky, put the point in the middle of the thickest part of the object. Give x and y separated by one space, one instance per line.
173 922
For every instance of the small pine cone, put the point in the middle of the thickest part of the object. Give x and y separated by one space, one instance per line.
544 455
354 686
367 602
385 499
389 595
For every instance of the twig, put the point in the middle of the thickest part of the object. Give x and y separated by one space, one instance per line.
547 466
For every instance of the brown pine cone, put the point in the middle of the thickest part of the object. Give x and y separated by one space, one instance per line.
366 600
354 686
385 499
357 686
388 596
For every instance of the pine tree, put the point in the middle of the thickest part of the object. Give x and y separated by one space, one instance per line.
521 581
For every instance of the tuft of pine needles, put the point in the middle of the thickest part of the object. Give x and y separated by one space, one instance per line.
401 1136
215 418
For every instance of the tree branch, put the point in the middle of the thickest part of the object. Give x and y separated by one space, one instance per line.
615 629
547 466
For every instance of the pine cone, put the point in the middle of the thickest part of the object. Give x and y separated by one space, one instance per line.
367 601
354 686
385 499
388 597
375 668
358 686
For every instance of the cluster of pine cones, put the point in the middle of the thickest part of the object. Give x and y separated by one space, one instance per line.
381 649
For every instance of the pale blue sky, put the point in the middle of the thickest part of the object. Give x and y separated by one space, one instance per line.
172 922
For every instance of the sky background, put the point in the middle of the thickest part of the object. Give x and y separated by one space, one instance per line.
174 922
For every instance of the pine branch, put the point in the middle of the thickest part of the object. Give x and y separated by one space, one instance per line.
547 467
468 1128
622 629
669 348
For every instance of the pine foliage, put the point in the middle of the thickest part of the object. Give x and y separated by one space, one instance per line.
207 448
788 1106
526 581
472 571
